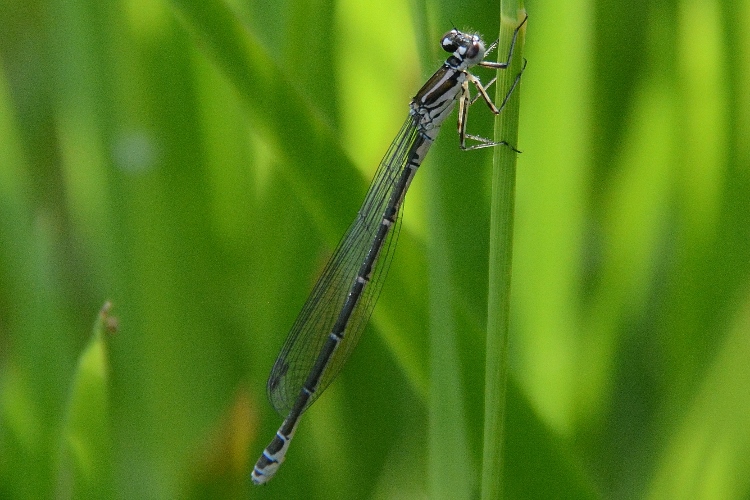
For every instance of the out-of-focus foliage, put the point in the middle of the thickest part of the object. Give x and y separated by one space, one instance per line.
195 162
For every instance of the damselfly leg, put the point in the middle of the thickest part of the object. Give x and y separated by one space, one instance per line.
465 100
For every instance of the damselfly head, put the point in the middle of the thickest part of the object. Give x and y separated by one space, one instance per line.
464 46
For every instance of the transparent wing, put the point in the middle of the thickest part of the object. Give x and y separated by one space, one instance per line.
322 308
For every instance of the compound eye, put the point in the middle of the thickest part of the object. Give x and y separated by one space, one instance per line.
473 49
449 41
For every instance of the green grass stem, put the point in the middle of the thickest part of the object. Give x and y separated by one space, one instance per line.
500 258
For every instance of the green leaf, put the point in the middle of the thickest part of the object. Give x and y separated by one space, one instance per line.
84 468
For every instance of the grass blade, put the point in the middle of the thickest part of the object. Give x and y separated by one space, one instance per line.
501 251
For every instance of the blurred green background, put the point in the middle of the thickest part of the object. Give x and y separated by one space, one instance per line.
196 161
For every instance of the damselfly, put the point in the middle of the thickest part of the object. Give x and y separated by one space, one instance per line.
335 314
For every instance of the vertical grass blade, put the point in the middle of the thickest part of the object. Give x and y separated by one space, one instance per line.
500 256
448 443
84 467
